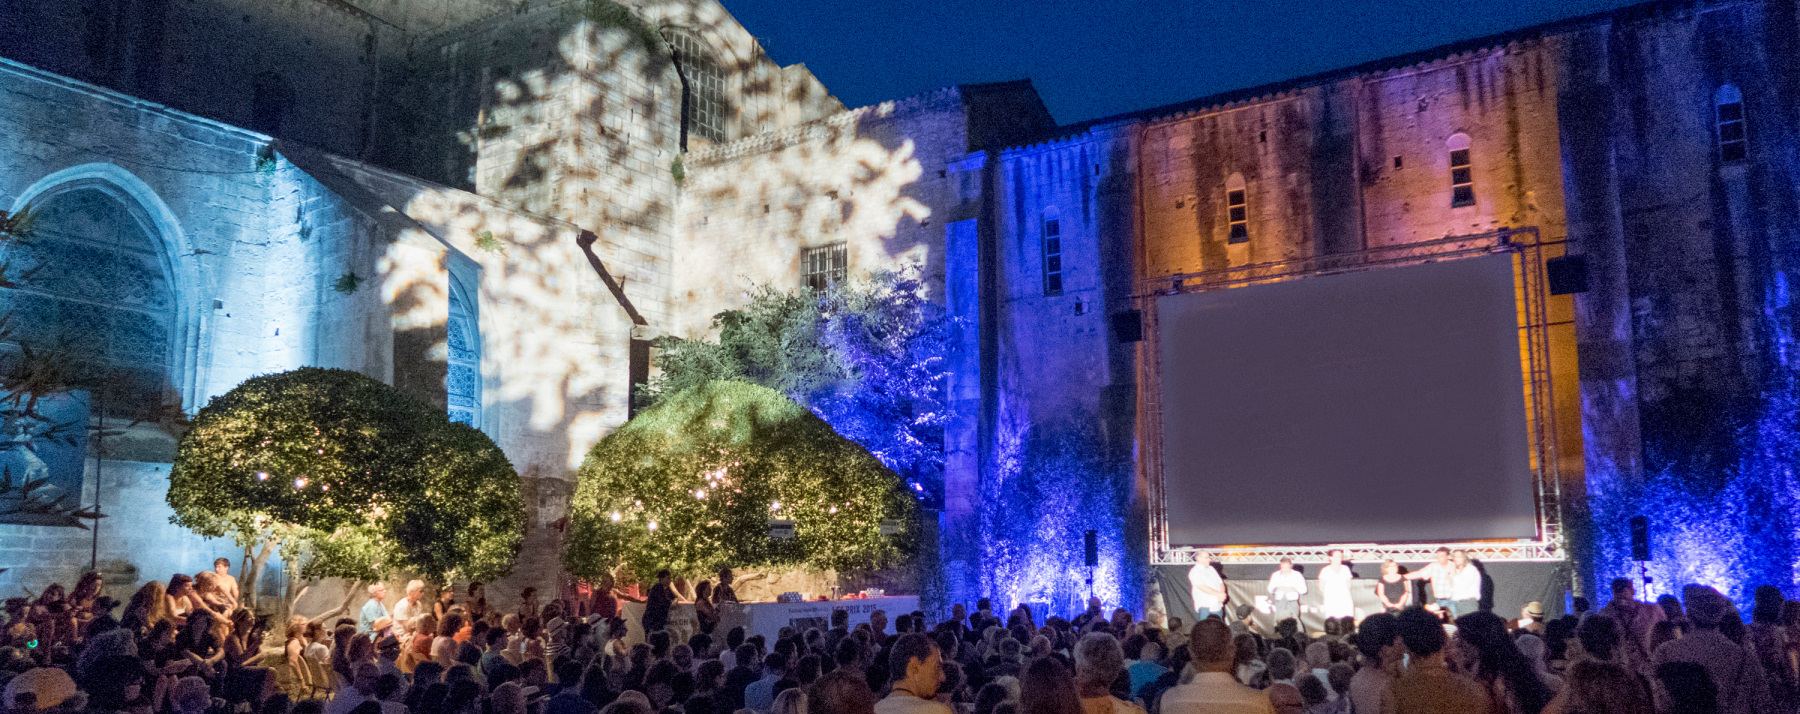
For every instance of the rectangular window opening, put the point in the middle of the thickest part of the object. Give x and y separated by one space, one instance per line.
1732 145
1237 216
1053 267
1462 179
822 266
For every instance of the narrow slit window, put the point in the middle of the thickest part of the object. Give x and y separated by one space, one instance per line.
1730 107
1237 211
823 266
1462 174
1053 267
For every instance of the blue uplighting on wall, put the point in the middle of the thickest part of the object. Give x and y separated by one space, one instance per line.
1732 531
1046 486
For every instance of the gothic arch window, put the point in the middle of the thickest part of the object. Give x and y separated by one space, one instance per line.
91 284
1237 210
1728 108
1462 172
703 105
462 381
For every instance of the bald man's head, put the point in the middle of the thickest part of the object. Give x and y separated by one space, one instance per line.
1209 644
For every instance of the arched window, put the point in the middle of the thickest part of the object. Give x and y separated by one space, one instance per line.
1728 105
1237 210
1462 172
462 382
92 286
702 87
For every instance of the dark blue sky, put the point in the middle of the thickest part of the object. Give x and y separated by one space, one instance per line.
1094 58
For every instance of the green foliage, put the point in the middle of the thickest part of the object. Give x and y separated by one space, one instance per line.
485 240
349 475
265 160
17 224
611 14
676 170
710 466
347 283
867 357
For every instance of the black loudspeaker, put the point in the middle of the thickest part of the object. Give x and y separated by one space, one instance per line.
1567 275
1640 538
1093 548
1128 326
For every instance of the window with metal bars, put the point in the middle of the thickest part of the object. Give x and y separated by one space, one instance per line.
1053 267
824 265
1729 104
1462 173
702 87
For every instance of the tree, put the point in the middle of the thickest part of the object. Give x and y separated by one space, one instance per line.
866 357
348 478
692 484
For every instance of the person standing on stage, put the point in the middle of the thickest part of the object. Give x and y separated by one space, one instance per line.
1439 572
1334 587
1286 586
1208 587
1465 585
1394 589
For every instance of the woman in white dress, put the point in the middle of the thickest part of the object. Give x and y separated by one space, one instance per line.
1334 588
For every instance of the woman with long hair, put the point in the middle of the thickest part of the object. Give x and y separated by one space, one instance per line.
82 600
149 606
478 604
294 650
1594 687
705 612
444 647
1500 666
210 595
181 597
1047 687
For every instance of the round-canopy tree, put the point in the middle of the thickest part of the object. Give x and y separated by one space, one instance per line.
692 484
348 475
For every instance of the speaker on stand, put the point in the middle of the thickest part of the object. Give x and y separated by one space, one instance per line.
1640 552
1093 557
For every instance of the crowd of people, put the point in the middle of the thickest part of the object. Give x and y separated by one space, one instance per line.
190 648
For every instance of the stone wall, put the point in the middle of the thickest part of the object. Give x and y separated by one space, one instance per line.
256 251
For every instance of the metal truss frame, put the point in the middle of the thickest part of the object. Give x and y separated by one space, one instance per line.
1528 273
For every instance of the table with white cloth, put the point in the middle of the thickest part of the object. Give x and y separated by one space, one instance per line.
767 618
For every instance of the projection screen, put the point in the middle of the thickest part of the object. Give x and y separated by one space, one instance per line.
1383 406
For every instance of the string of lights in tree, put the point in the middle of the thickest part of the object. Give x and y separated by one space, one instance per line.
694 483
361 479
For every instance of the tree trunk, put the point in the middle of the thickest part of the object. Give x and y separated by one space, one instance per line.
294 590
253 570
355 587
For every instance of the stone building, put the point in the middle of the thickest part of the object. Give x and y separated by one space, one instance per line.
494 205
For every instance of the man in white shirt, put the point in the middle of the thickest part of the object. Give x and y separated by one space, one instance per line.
413 605
1439 571
1207 586
917 668
1285 588
1334 587
1213 690
372 610
1465 585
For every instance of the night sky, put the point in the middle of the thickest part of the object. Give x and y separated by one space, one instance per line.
1095 58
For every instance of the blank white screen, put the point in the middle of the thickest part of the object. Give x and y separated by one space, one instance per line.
1379 406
